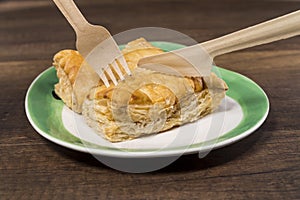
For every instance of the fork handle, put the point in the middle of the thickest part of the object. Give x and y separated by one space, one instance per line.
71 12
279 28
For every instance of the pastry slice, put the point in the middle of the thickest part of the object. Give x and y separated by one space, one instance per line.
145 103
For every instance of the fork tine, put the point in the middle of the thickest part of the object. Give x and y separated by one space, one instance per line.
123 63
117 69
111 75
103 78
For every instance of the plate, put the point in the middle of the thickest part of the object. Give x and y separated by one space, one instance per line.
243 110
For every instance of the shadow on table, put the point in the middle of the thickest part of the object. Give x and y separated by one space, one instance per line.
183 164
214 158
82 158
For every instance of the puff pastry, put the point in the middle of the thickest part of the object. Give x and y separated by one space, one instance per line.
145 103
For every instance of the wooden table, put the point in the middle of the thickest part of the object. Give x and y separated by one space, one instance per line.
265 165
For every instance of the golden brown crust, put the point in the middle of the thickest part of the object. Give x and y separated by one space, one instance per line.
67 63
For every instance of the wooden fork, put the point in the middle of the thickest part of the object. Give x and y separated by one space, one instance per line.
95 43
197 59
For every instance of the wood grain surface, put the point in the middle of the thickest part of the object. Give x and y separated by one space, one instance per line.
265 165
